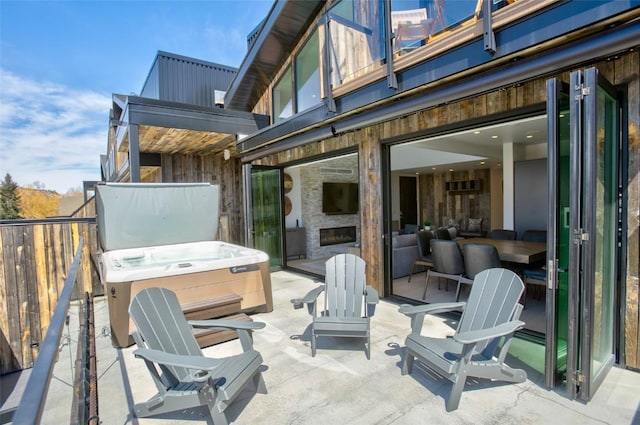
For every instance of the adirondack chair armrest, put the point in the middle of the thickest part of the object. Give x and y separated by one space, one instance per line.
371 298
312 295
203 368
197 363
310 299
226 324
416 312
242 328
435 308
472 337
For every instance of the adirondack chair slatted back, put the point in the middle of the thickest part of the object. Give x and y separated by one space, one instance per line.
493 300
161 325
344 286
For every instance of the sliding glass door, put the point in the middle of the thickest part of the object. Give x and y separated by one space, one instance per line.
265 211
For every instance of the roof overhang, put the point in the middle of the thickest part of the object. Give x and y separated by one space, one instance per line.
170 127
284 25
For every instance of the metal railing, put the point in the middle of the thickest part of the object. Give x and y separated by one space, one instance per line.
84 406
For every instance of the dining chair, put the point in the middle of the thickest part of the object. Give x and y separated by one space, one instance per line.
443 233
504 234
477 257
535 235
447 262
423 239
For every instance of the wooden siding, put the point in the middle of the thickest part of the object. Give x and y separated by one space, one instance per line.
174 140
625 71
621 70
35 260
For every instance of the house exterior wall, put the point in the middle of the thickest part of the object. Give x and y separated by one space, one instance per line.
622 70
181 79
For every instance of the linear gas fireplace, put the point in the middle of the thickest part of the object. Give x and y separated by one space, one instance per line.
337 235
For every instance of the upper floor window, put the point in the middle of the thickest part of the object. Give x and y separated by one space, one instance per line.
299 87
307 74
283 97
356 37
415 22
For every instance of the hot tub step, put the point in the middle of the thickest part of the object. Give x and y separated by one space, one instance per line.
211 308
207 338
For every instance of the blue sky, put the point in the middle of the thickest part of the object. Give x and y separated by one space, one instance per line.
60 62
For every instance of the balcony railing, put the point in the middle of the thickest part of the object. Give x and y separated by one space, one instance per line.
75 386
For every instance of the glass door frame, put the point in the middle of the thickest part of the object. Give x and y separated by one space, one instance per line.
555 90
596 86
589 165
248 173
582 378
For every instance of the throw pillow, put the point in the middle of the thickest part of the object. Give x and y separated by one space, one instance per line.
475 225
450 222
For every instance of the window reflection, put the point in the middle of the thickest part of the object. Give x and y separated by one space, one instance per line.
308 74
414 21
283 97
356 38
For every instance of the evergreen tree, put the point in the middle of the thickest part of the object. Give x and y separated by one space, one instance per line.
9 199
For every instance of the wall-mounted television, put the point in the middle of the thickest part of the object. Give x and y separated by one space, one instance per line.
340 198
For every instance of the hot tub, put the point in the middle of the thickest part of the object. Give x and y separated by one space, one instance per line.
194 271
163 235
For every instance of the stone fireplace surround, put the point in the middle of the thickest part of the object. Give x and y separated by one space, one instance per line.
312 216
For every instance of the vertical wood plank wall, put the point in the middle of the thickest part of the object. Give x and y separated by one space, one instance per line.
212 168
35 260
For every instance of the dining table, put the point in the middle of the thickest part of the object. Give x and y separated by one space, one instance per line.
513 251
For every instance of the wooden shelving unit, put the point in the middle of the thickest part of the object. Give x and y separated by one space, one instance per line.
463 186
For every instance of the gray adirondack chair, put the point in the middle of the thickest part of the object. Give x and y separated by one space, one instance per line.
183 376
490 316
348 305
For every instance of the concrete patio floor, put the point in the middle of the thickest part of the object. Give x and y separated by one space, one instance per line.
340 386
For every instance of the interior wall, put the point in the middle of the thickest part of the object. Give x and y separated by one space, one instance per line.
441 205
496 199
311 178
531 204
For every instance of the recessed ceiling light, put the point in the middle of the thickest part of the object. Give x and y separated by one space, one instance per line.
481 162
433 168
494 137
450 169
529 136
476 132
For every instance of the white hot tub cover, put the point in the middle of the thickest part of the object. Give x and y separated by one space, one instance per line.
135 215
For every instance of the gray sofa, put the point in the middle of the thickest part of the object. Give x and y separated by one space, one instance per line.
404 253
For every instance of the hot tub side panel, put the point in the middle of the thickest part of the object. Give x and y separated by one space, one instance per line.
252 282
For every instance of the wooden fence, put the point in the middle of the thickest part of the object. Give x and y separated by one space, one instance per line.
35 257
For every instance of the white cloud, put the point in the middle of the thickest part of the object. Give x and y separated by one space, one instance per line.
51 133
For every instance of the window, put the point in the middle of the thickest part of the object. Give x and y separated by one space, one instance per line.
356 35
283 97
307 72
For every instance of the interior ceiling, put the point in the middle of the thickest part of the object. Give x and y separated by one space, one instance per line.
470 149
